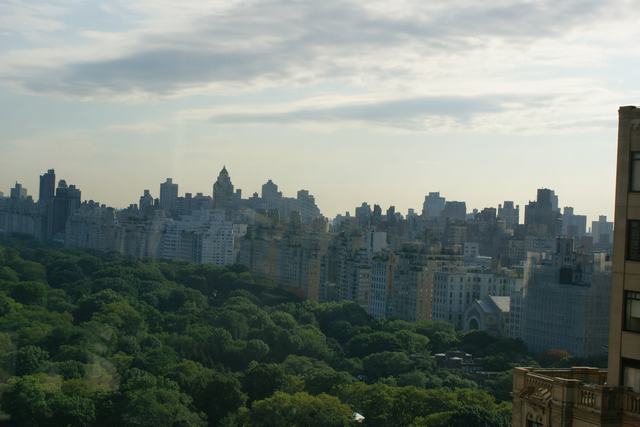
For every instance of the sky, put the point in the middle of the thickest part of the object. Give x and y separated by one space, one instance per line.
353 100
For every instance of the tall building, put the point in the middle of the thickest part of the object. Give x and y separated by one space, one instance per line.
566 302
168 195
509 214
456 289
624 332
542 216
223 193
411 293
590 396
146 200
433 205
270 191
65 202
18 192
602 232
454 211
364 213
47 186
573 225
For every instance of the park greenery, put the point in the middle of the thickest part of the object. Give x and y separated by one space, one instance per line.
103 340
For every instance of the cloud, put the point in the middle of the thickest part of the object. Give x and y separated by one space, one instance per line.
410 113
256 44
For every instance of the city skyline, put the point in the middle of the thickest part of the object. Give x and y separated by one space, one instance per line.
358 100
155 192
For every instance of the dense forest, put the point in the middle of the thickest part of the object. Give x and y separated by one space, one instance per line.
102 340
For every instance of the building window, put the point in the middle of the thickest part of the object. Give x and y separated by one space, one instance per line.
632 311
631 374
633 240
634 175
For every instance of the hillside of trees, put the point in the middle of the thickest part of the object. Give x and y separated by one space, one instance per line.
102 340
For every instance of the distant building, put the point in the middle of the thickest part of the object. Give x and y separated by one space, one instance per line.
456 289
433 206
509 214
566 302
18 192
168 195
573 225
454 211
542 216
47 187
490 314
66 201
223 192
410 292
602 232
146 200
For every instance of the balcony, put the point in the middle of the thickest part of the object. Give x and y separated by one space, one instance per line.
570 397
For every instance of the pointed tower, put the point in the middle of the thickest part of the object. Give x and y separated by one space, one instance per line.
223 194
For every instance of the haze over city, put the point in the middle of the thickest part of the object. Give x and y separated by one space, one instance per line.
351 100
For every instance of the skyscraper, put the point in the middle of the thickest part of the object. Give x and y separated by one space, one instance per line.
624 328
223 194
47 186
18 192
433 205
65 202
168 195
590 396
509 214
543 215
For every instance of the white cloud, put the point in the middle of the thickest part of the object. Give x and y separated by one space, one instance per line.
411 58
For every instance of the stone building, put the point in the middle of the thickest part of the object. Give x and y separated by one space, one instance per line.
456 289
490 314
590 397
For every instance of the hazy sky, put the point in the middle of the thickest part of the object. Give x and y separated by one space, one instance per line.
370 100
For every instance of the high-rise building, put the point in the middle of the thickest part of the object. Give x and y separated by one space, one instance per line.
47 186
270 191
509 214
364 213
573 225
146 200
168 195
624 331
590 396
65 202
542 216
454 211
433 205
223 194
566 302
18 192
455 289
602 232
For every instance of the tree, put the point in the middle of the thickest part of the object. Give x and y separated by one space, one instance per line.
260 380
30 293
30 359
477 416
147 400
221 396
299 409
553 358
388 363
25 400
376 342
